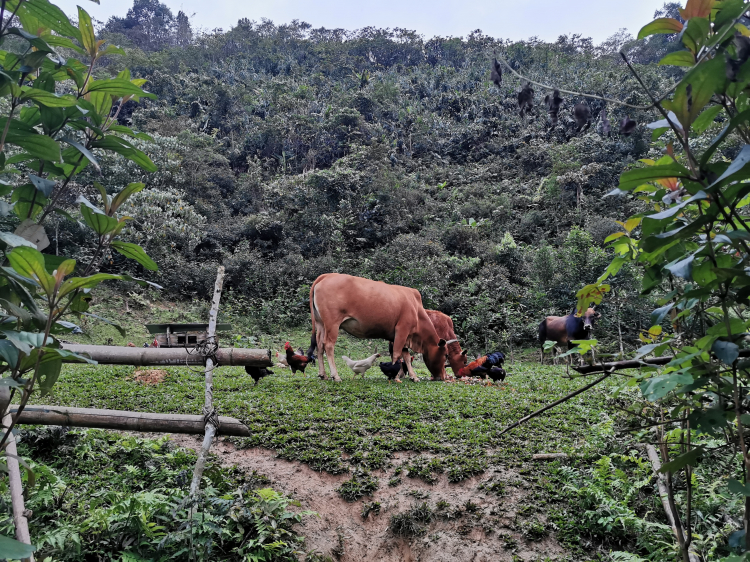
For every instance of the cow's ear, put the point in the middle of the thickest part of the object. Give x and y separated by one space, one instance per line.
441 343
464 352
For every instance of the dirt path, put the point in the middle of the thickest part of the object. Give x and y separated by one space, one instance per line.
492 529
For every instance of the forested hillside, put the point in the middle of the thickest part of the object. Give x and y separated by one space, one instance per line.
285 152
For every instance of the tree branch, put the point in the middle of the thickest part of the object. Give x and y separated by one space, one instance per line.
555 403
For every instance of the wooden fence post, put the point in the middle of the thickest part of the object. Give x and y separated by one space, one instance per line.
14 475
209 413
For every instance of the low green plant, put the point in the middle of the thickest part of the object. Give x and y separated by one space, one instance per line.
411 523
370 507
361 484
105 496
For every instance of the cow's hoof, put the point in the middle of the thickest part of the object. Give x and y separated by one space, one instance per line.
415 380
337 379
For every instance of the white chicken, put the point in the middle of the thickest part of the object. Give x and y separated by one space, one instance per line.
361 367
281 360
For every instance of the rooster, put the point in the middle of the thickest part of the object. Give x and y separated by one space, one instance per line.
490 364
309 354
362 366
258 373
296 362
392 370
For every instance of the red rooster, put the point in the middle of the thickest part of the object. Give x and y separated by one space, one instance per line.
490 364
296 362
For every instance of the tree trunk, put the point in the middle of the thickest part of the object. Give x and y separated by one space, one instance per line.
672 516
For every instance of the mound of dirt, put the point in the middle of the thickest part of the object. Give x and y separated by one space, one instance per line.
482 519
150 376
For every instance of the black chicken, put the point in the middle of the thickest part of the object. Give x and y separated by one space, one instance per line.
392 370
258 373
496 374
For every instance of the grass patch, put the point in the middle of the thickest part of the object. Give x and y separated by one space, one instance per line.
339 427
412 523
361 484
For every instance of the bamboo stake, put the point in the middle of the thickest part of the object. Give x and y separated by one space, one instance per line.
209 413
14 474
664 496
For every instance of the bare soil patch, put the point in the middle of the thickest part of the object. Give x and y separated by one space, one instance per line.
150 376
478 524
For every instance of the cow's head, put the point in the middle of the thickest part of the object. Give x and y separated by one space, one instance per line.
456 358
588 318
434 359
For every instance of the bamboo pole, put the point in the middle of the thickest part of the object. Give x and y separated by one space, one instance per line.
633 364
664 495
166 356
212 421
14 475
122 420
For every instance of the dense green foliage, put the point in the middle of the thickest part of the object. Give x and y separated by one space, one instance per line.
286 152
55 113
692 242
100 496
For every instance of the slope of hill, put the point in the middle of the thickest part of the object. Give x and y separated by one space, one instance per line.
286 152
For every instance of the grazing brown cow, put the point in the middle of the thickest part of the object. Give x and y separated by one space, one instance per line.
372 309
444 328
564 329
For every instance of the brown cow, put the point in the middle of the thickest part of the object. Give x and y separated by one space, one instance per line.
564 329
444 328
372 309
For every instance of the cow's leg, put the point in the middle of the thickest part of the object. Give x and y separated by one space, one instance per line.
399 342
320 335
406 358
330 344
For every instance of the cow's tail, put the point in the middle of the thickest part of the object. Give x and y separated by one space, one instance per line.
542 339
313 338
543 332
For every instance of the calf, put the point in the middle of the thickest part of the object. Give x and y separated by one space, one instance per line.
444 327
565 329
